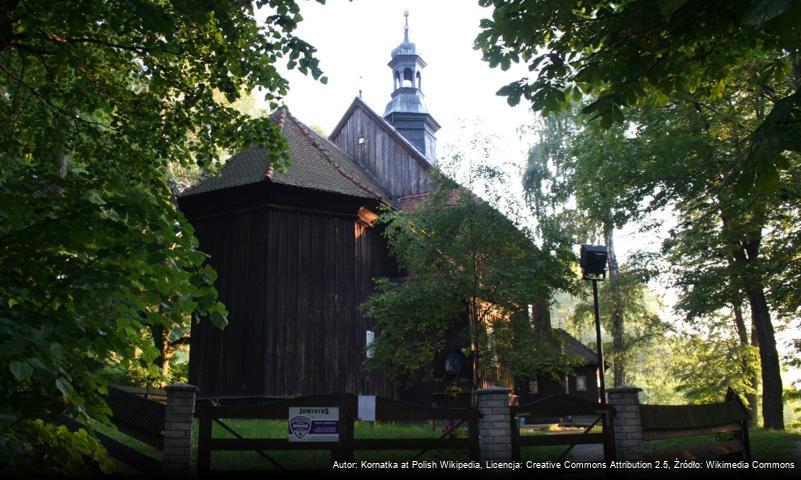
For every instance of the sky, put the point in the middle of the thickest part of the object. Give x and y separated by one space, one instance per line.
354 41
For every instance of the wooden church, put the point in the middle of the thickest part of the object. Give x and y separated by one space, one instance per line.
296 252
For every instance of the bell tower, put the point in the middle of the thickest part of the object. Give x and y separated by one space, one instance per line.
406 111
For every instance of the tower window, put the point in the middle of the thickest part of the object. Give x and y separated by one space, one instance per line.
408 78
397 79
419 81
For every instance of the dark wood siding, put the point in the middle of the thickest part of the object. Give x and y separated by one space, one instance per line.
389 159
292 280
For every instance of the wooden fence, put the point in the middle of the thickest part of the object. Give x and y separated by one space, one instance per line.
661 422
386 410
137 417
558 406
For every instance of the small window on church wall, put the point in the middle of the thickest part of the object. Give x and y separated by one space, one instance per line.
408 78
581 383
533 387
368 341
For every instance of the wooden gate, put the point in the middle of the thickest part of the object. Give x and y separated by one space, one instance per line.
386 409
558 406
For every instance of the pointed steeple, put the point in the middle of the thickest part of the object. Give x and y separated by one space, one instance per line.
407 111
406 28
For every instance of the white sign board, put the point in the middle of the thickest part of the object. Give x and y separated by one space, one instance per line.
367 408
313 424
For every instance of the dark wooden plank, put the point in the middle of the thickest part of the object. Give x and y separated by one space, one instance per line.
278 409
411 444
389 409
129 456
698 452
680 432
270 289
566 439
136 416
559 405
357 444
670 417
267 444
155 441
204 440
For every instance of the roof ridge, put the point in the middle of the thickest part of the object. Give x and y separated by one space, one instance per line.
279 117
309 135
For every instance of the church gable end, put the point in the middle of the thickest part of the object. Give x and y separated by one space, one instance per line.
379 148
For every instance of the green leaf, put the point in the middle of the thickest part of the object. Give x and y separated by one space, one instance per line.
763 10
65 387
20 370
667 7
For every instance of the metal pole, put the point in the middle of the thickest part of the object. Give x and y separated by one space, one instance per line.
600 346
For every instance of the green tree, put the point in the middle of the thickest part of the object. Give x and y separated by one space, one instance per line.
723 249
470 271
730 248
631 298
99 102
638 53
579 182
709 360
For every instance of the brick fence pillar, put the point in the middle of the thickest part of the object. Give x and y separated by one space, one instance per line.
494 425
627 424
178 430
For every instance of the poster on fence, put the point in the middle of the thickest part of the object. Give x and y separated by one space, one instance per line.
313 424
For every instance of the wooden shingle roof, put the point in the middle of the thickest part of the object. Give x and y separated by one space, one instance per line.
315 163
572 345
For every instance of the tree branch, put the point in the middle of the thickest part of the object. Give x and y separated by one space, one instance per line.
50 104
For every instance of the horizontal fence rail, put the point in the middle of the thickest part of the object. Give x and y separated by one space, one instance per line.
661 422
386 410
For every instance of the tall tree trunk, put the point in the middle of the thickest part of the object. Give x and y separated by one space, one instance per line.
161 340
753 398
742 335
541 313
772 403
473 322
618 344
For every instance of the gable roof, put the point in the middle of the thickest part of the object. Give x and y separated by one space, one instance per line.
315 163
379 120
573 346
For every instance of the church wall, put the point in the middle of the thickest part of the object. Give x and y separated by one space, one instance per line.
399 172
292 281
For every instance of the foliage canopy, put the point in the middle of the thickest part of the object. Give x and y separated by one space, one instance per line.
99 101
637 53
